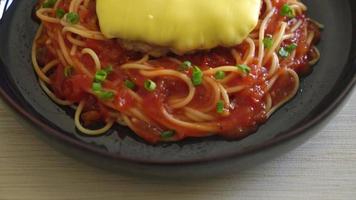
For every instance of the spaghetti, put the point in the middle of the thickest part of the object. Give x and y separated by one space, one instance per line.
224 91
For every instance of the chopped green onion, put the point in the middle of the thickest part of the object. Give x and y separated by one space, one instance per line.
244 68
129 84
150 85
68 71
97 87
167 134
60 13
220 107
73 18
286 51
283 52
101 75
105 95
185 66
268 42
197 76
290 48
49 3
287 11
219 75
109 69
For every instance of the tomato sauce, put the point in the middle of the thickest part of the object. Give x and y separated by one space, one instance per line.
248 107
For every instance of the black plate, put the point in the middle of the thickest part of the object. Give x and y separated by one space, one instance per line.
321 92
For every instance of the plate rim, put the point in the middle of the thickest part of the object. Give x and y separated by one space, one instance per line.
286 136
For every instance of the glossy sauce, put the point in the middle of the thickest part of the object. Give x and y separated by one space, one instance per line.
247 109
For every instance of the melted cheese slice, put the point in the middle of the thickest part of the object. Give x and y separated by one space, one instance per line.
181 25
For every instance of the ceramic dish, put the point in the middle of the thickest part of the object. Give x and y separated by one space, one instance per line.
320 95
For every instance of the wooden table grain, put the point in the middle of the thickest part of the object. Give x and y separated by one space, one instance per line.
323 168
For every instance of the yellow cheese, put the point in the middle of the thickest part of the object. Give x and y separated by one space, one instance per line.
181 25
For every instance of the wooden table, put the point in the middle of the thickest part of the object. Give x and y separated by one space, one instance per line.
323 168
